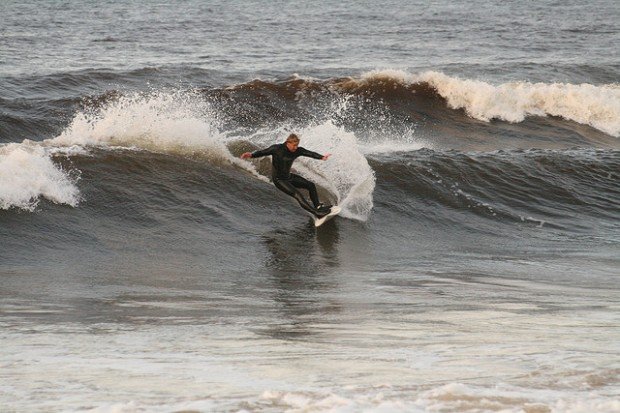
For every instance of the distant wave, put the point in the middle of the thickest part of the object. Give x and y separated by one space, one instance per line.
594 105
374 100
597 106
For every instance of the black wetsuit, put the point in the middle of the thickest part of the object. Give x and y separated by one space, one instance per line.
287 182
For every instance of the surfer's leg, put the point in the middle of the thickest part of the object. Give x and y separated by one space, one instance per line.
287 187
301 182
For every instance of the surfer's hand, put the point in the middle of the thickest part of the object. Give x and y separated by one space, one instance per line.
246 155
327 155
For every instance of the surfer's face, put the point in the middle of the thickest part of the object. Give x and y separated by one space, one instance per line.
292 146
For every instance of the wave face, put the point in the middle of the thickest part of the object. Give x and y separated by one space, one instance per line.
391 118
539 187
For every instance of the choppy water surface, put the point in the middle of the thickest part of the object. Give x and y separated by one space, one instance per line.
145 267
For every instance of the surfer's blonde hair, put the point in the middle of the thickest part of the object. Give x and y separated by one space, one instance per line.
293 138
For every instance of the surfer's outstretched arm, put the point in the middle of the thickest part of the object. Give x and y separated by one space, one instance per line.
310 154
260 153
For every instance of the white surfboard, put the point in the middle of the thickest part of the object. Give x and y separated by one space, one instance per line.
334 211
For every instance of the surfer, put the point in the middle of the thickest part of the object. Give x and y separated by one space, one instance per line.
282 157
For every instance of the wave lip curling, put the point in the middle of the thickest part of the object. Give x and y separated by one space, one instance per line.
27 173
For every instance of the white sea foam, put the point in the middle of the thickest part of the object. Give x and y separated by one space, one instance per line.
446 398
169 122
346 172
27 173
178 366
450 397
510 399
597 106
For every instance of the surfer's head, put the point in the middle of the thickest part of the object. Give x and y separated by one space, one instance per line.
292 142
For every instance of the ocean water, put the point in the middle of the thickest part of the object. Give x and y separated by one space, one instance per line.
475 147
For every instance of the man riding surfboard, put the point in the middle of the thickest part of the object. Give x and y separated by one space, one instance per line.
282 157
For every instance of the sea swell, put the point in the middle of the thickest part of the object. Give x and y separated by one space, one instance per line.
565 192
541 187
412 131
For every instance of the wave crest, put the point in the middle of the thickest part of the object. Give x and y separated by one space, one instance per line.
170 122
27 173
596 106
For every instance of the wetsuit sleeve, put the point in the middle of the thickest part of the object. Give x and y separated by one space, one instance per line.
310 154
265 152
